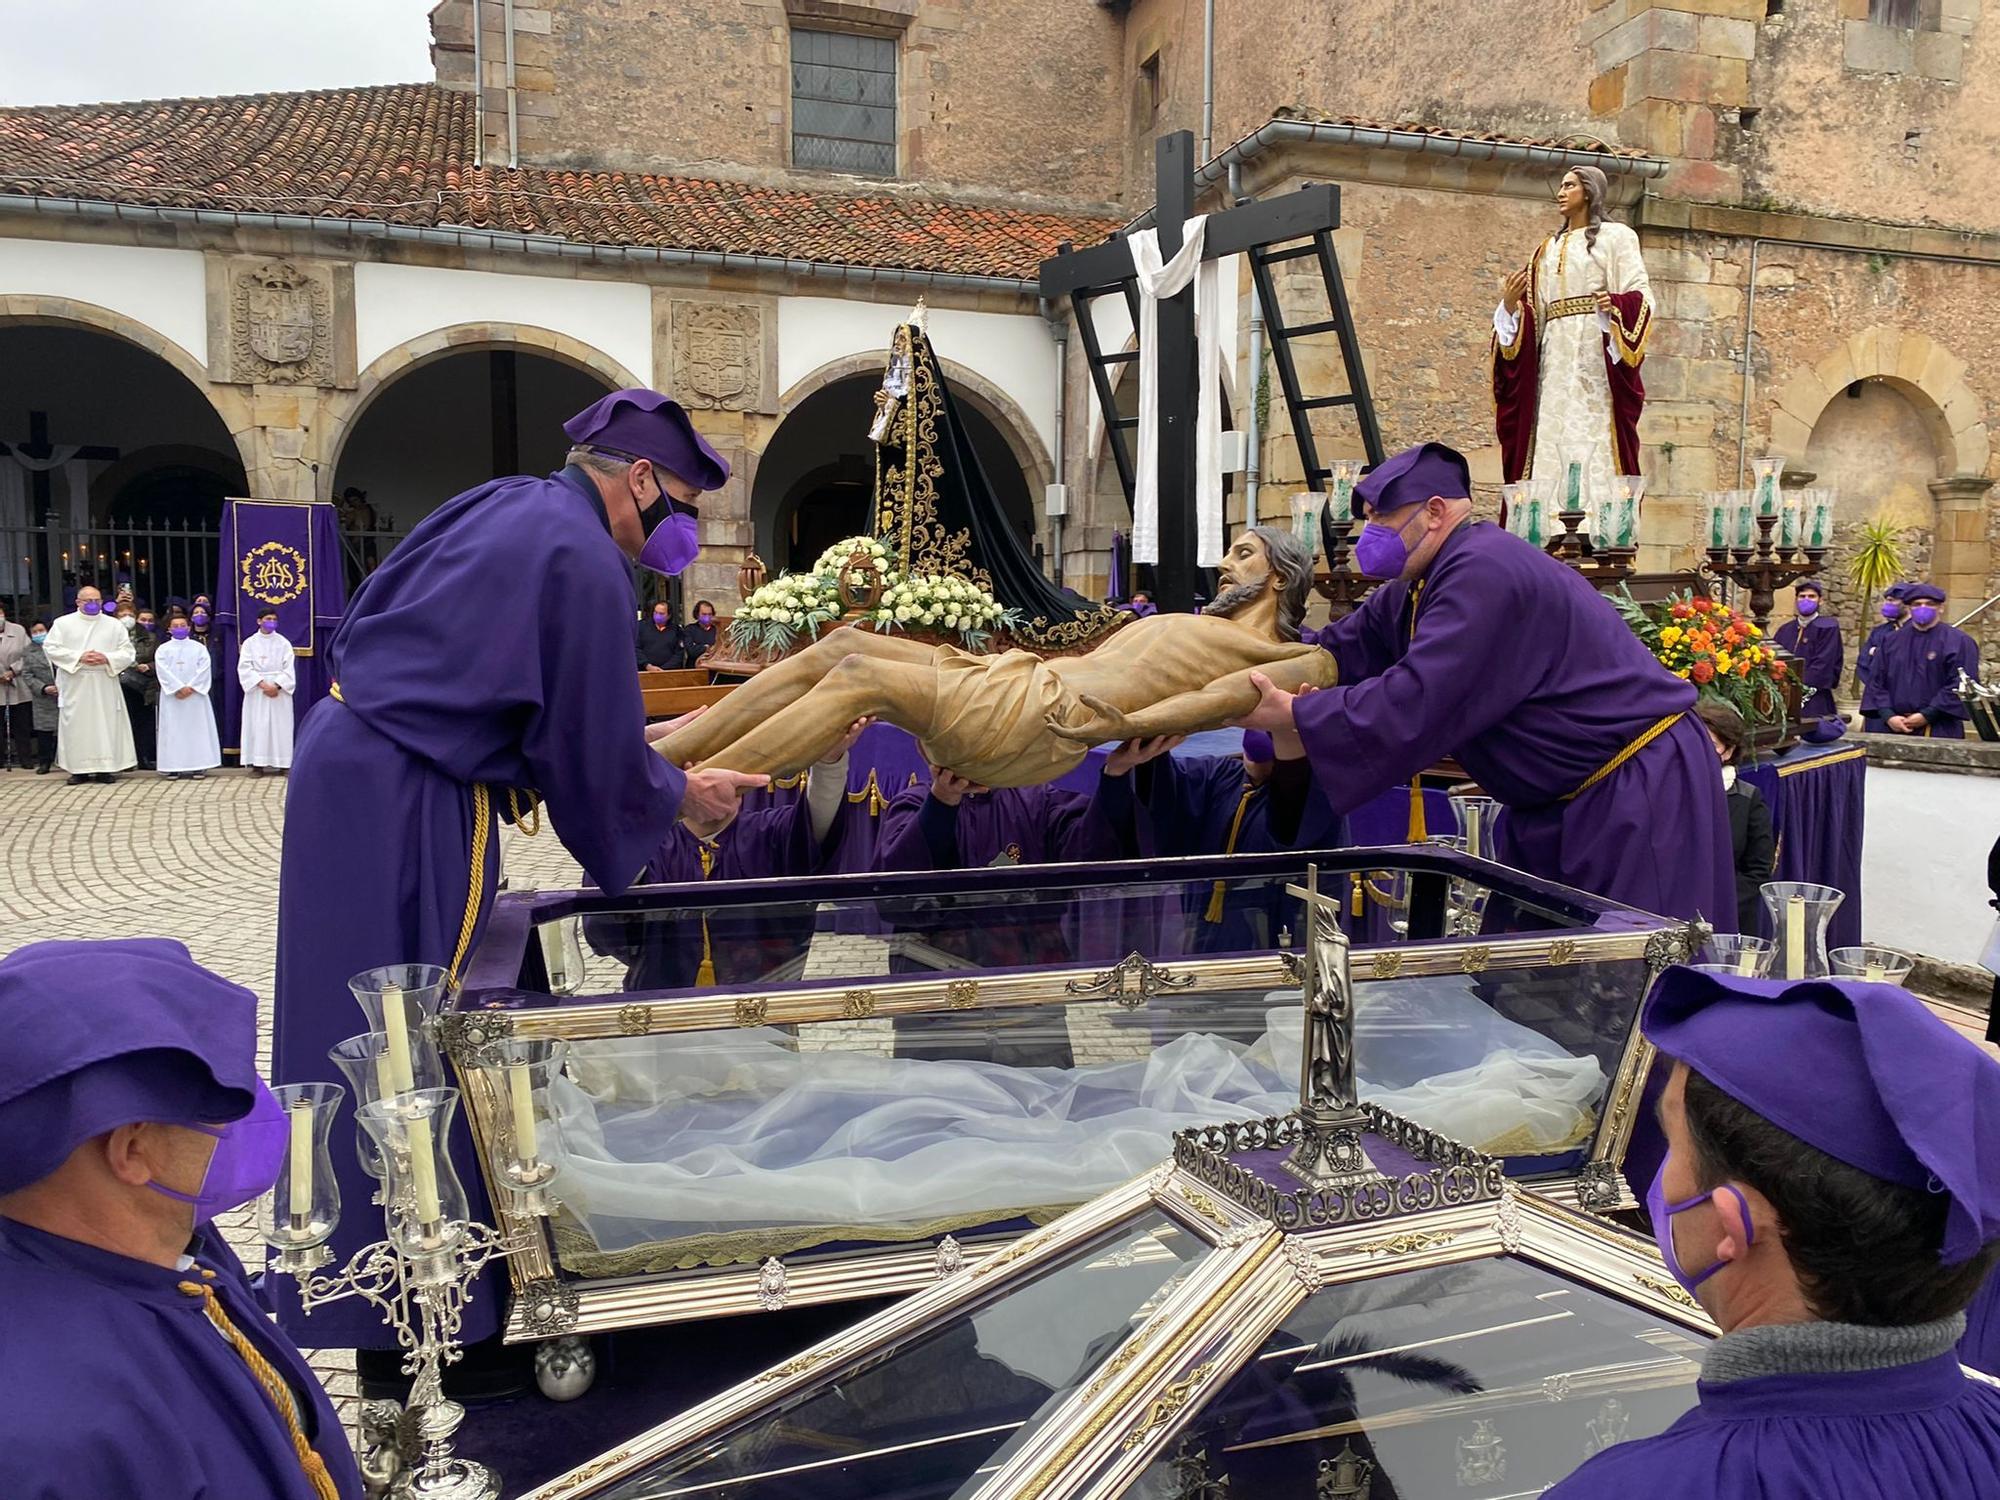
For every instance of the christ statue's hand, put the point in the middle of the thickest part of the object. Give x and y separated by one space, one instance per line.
1137 752
1099 722
1273 712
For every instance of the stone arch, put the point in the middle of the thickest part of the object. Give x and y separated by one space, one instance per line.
231 405
1926 373
343 410
991 402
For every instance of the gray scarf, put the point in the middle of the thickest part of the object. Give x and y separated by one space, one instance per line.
1825 1348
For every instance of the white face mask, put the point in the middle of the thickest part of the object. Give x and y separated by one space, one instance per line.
1728 777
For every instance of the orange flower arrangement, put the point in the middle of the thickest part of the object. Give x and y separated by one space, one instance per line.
1722 653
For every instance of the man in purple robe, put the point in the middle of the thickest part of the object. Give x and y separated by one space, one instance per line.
1867 662
1482 647
1814 638
1831 1197
485 667
1261 802
131 1115
1919 667
786 841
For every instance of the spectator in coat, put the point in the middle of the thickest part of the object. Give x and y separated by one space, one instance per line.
38 673
1753 845
17 732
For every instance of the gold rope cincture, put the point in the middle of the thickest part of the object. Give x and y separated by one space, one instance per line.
521 815
275 1386
1623 755
1214 912
475 881
1419 829
704 976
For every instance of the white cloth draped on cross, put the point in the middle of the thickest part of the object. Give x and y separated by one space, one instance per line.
1156 280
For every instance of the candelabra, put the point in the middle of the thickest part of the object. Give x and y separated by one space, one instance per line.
1341 585
420 1273
1597 537
1741 546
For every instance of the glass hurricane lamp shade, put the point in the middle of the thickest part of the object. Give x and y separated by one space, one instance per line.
1743 507
1514 501
1872 963
1576 488
1733 953
1478 822
1799 913
1719 517
1765 473
427 1203
364 1061
1342 473
1627 490
525 1147
399 1001
305 1200
1306 507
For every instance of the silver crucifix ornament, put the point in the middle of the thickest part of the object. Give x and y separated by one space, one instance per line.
1329 1152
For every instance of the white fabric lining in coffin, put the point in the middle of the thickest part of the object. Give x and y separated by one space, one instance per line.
699 1133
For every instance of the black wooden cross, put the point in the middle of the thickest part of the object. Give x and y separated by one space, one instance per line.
38 447
1254 229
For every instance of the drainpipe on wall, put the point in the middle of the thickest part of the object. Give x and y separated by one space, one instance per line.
1059 327
513 121
1253 429
478 91
1207 78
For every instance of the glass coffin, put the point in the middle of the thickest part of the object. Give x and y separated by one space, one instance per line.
853 1084
1335 1305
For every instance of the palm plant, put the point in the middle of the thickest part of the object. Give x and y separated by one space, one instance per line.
1877 563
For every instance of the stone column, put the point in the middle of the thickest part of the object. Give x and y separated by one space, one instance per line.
1962 556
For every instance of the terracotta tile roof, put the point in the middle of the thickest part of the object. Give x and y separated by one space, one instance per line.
1578 142
403 153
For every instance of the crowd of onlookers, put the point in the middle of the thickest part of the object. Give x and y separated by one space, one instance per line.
664 646
114 684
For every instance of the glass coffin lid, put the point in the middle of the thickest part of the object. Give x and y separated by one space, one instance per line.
1335 1305
891 1075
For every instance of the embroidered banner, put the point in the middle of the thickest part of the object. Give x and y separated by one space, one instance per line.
282 555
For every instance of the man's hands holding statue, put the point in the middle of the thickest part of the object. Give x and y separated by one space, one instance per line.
712 795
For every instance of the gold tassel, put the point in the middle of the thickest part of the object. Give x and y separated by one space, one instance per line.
1214 913
1419 830
1356 901
704 976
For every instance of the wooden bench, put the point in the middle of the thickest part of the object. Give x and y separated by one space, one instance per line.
673 677
670 701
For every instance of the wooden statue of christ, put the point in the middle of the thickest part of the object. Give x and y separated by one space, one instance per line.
1017 719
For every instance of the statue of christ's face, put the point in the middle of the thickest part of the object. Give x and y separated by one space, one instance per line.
1247 562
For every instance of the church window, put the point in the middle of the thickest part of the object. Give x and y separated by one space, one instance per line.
1149 85
1905 15
844 102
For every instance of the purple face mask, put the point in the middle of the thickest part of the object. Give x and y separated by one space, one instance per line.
1662 1214
1923 615
267 626
1808 605
178 632
671 546
248 1153
201 617
1381 552
90 606
1891 610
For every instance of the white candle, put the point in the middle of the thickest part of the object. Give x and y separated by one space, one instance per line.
524 1112
1873 973
1746 963
385 1082
1795 937
398 1026
302 1161
423 1170
1472 831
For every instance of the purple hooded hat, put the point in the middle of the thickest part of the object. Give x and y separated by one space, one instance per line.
103 1034
1411 477
644 424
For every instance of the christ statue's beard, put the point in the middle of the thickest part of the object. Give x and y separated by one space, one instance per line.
1234 598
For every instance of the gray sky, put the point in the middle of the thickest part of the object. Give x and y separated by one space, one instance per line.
80 51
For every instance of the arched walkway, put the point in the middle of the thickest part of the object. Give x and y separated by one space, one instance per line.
1928 375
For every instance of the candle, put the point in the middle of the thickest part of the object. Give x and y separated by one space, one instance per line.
302 1162
1718 526
1573 487
1873 973
423 1171
385 1081
398 1025
1795 937
524 1111
1472 831
1746 963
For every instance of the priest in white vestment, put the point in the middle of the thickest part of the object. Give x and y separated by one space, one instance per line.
89 649
187 743
267 668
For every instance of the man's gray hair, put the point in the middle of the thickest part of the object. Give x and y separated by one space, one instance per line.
586 457
1292 562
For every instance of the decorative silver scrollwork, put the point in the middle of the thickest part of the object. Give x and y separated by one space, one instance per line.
546 1308
1132 981
466 1034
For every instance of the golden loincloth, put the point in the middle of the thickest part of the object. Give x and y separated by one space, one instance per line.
988 722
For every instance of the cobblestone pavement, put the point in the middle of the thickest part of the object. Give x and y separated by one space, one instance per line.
193 860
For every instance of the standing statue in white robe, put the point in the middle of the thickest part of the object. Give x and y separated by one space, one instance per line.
266 666
89 649
187 742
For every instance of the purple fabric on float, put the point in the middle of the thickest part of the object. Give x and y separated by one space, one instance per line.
437 696
1525 674
1816 813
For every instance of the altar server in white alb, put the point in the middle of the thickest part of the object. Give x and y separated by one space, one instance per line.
266 666
187 740
89 649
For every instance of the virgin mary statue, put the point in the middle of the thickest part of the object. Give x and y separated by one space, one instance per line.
1568 339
